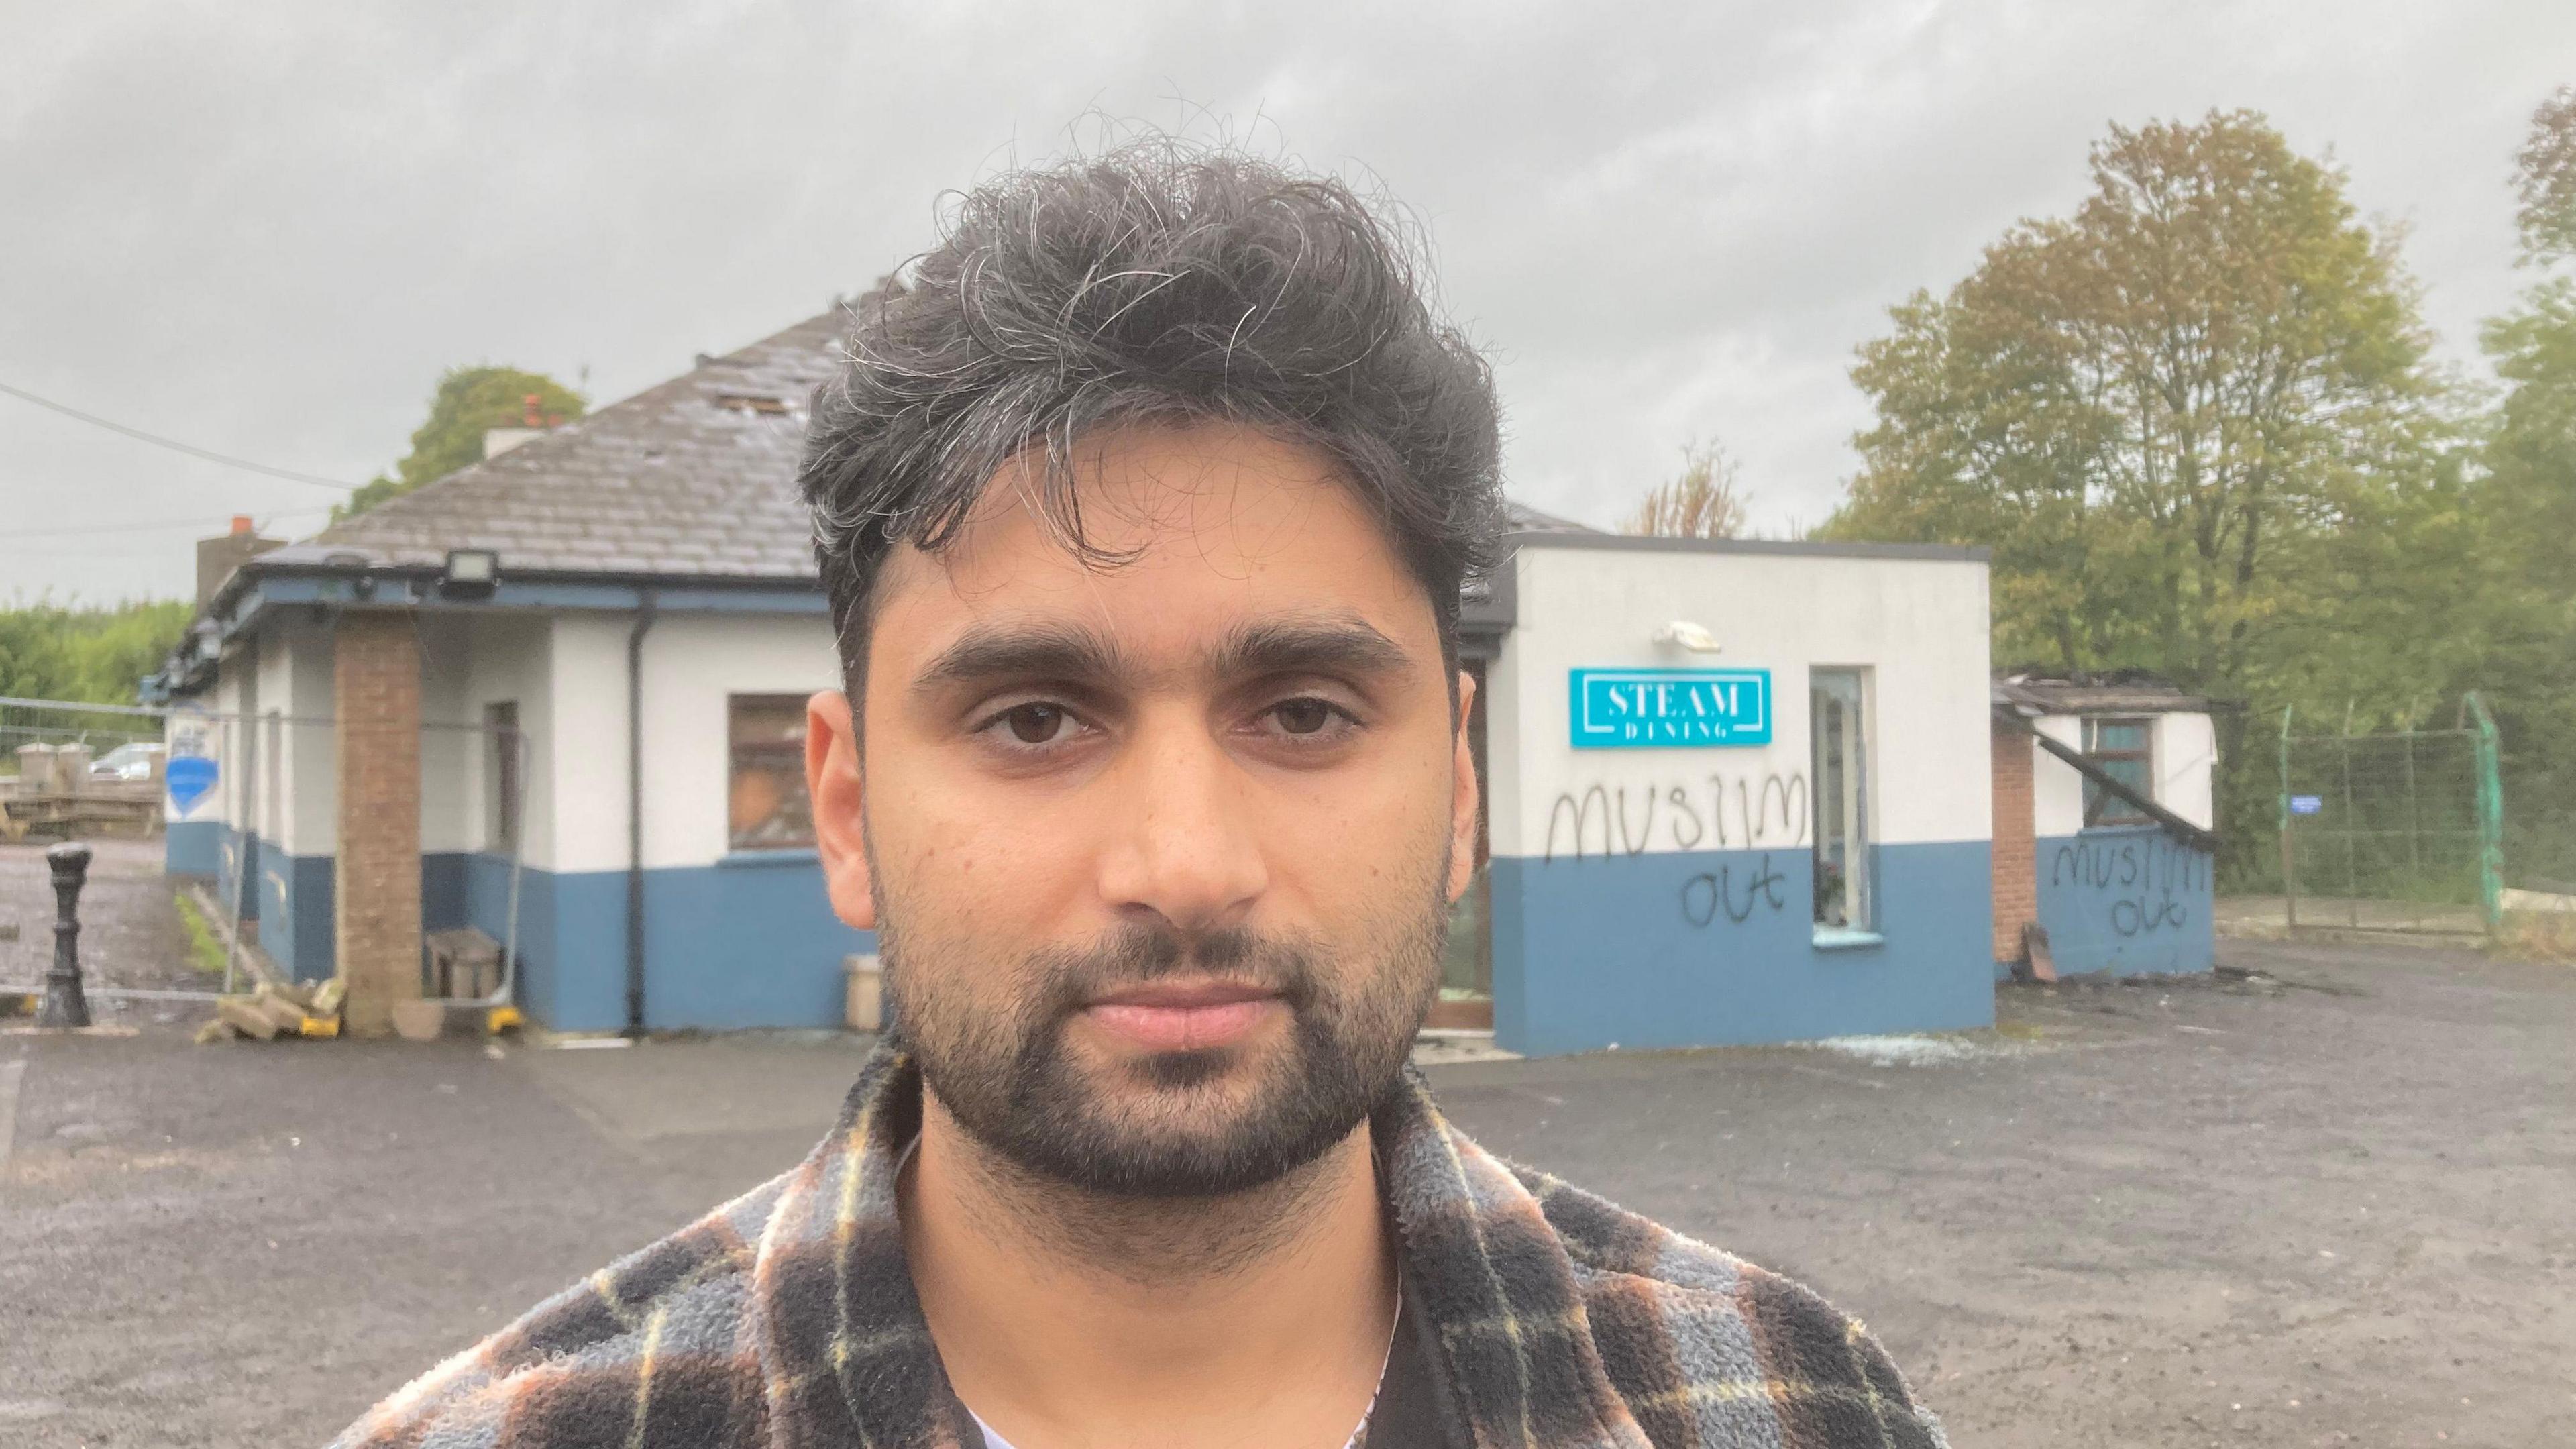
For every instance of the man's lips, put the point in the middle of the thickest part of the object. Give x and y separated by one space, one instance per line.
1168 1016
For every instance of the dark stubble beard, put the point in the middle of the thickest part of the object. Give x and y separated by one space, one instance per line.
1009 1077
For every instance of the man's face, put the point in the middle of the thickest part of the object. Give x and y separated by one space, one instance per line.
1160 850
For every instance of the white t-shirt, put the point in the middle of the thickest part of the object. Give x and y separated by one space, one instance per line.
994 1440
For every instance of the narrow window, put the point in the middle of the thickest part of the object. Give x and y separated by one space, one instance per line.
766 804
1838 716
2121 747
501 782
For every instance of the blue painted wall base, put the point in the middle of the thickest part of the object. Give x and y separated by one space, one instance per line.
1718 948
2130 901
192 847
750 942
295 913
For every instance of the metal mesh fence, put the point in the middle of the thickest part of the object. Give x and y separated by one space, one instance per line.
103 729
265 782
2395 831
68 768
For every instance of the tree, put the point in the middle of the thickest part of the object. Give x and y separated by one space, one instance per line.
1705 501
2528 503
2545 179
2164 412
2195 424
90 653
469 400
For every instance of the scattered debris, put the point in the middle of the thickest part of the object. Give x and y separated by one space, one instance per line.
1906 1051
275 1010
1441 1048
2035 953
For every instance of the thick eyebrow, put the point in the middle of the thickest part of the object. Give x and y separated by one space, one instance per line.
1023 651
1069 654
1322 644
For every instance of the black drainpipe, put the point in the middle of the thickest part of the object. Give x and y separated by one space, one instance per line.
635 813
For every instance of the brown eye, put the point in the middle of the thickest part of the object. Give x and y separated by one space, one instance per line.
1303 716
1035 724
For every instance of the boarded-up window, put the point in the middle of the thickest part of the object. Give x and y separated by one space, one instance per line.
2121 748
766 804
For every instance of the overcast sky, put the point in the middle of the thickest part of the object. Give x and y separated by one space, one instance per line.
266 229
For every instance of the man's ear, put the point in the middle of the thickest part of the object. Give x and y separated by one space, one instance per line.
836 790
1465 807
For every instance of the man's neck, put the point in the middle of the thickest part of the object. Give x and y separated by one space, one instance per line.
1067 1319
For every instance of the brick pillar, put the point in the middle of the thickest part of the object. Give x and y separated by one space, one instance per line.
2016 864
375 689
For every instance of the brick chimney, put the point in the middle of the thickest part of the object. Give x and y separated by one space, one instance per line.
218 557
534 421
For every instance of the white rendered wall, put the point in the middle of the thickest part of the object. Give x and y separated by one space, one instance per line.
585 743
271 704
2186 757
2056 791
273 739
309 772
2184 754
468 663
450 766
224 700
1919 626
692 663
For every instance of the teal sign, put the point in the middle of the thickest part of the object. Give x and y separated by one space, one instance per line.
1651 708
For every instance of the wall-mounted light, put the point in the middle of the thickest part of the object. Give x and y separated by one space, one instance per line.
472 573
1684 634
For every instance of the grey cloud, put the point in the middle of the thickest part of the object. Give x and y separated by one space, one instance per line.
266 229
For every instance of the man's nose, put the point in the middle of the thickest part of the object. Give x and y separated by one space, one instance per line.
1184 846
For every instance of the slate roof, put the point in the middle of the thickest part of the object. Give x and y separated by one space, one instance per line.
694 479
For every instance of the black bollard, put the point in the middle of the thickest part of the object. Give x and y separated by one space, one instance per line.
64 1004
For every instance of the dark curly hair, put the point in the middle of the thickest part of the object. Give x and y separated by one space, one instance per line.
1158 283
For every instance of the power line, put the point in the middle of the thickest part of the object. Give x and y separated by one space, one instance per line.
147 527
289 474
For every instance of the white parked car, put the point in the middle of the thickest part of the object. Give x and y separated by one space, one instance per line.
127 762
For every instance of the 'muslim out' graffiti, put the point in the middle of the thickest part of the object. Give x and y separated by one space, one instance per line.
1723 813
2142 884
1732 893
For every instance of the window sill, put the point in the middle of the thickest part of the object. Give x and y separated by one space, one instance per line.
1843 938
767 855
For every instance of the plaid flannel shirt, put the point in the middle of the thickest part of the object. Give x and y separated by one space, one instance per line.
786 1319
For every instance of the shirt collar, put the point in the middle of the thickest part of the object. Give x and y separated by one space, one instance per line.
847 1356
